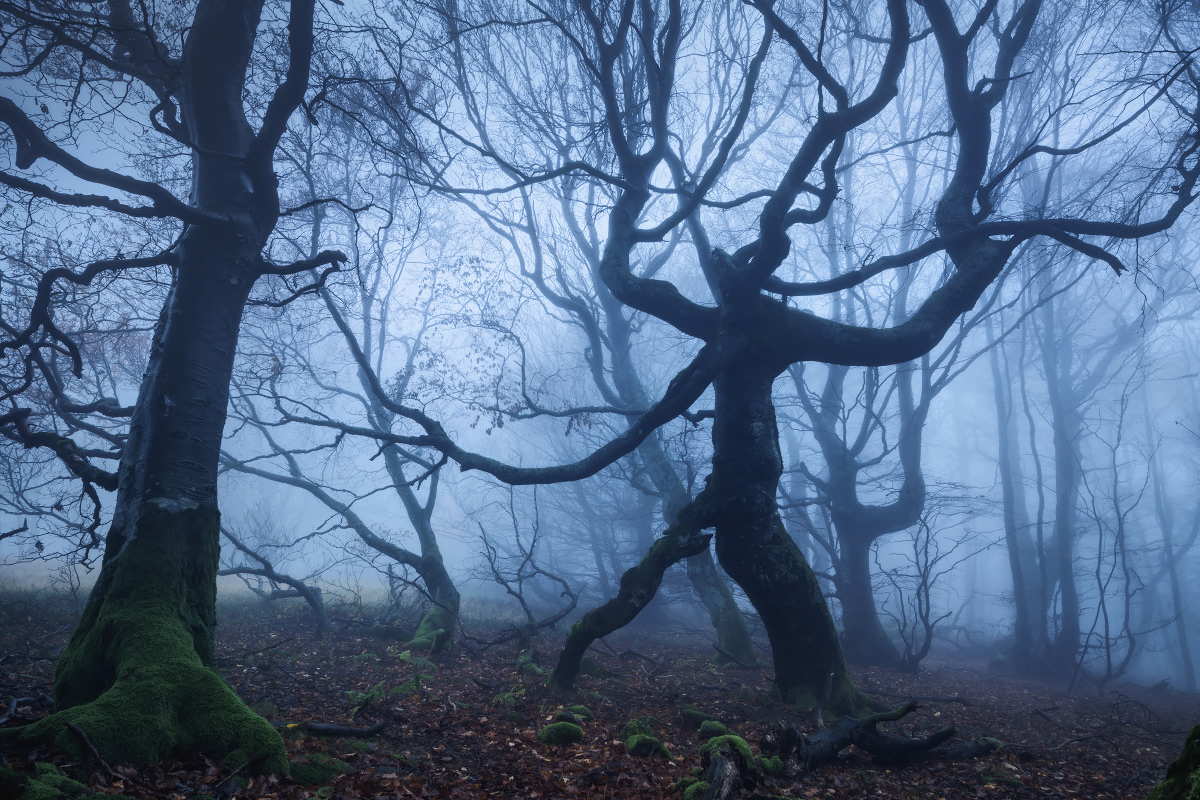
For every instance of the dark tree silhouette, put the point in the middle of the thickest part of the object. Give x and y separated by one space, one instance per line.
138 674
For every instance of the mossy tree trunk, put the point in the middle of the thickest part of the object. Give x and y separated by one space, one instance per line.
1183 776
138 674
436 630
733 636
756 551
638 586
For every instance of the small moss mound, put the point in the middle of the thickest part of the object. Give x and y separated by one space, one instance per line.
734 744
317 770
771 765
635 727
710 728
566 716
643 745
693 718
561 733
696 791
581 711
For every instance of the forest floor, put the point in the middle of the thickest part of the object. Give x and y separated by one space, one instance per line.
467 727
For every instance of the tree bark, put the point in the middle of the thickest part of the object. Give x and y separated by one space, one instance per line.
863 637
138 674
638 586
1065 402
756 551
1022 566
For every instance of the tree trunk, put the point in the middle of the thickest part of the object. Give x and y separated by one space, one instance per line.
863 639
138 675
436 630
733 637
756 551
1066 487
1065 401
1028 645
638 586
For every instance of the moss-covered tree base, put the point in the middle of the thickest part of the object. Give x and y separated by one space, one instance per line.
436 631
1183 776
137 676
167 709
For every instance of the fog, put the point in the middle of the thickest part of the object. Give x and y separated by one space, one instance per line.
888 310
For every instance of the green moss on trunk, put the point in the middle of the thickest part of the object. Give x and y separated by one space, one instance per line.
137 676
1183 776
638 586
436 631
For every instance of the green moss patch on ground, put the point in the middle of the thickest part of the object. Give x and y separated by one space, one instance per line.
561 733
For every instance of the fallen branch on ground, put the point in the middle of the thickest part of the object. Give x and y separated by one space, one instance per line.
347 731
824 745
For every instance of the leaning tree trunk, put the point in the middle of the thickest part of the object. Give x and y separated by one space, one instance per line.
756 551
864 639
138 675
733 636
638 587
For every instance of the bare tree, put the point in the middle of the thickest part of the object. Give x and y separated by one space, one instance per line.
141 658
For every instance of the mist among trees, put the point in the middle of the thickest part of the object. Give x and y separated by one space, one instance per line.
802 353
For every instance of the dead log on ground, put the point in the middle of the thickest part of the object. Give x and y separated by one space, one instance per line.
824 745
